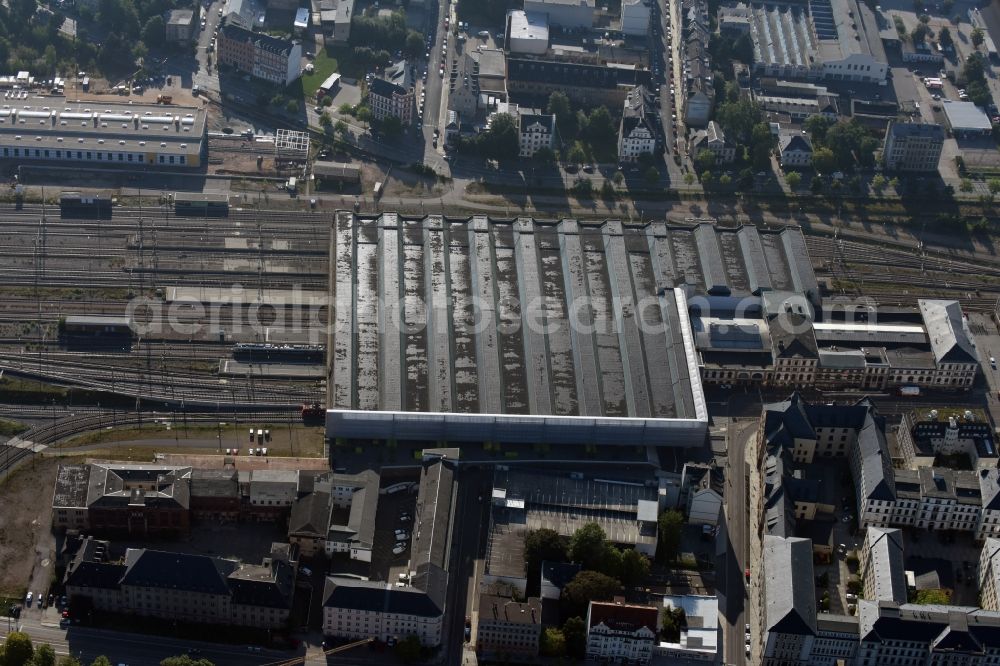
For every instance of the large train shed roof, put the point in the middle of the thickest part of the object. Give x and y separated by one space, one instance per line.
527 318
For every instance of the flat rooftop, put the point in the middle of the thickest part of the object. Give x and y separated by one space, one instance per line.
102 125
480 329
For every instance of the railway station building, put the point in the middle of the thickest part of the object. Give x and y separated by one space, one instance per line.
519 330
102 133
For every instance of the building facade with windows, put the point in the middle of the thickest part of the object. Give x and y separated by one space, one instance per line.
913 147
621 633
183 587
103 133
639 131
386 99
258 54
508 629
535 132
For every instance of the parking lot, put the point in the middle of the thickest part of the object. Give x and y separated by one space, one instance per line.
395 512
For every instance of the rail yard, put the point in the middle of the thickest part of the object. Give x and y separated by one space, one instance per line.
196 287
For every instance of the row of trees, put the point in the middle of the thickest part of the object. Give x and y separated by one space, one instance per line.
591 136
385 33
18 650
840 146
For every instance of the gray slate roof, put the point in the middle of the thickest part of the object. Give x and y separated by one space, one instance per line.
948 332
790 601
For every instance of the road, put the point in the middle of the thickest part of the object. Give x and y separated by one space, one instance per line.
468 546
139 649
732 583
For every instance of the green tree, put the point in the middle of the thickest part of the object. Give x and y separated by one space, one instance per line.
944 37
794 179
566 120
602 134
408 649
607 189
44 656
101 661
635 567
292 106
154 32
965 185
689 178
577 154
993 185
670 523
816 185
761 142
879 182
738 119
18 650
575 632
619 178
500 141
674 621
345 109
585 587
704 160
552 643
185 660
936 597
824 161
651 176
588 546
544 156
363 113
542 545
706 177
414 44
340 128
817 126
977 37
69 661
725 179
326 121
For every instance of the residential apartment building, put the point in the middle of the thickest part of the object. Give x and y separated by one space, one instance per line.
508 629
989 574
913 147
787 603
621 633
355 608
180 26
713 139
590 84
535 132
795 151
639 130
386 99
183 587
337 516
932 498
258 54
926 433
882 566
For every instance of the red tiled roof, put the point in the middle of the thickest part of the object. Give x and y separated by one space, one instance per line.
622 617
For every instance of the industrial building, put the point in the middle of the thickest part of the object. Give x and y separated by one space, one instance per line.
527 33
592 83
180 26
513 331
836 40
564 13
102 133
965 119
636 17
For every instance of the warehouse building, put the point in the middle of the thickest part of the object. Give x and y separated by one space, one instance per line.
527 33
430 341
965 119
103 133
565 13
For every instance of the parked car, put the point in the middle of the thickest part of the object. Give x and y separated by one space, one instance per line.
27 599
398 549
